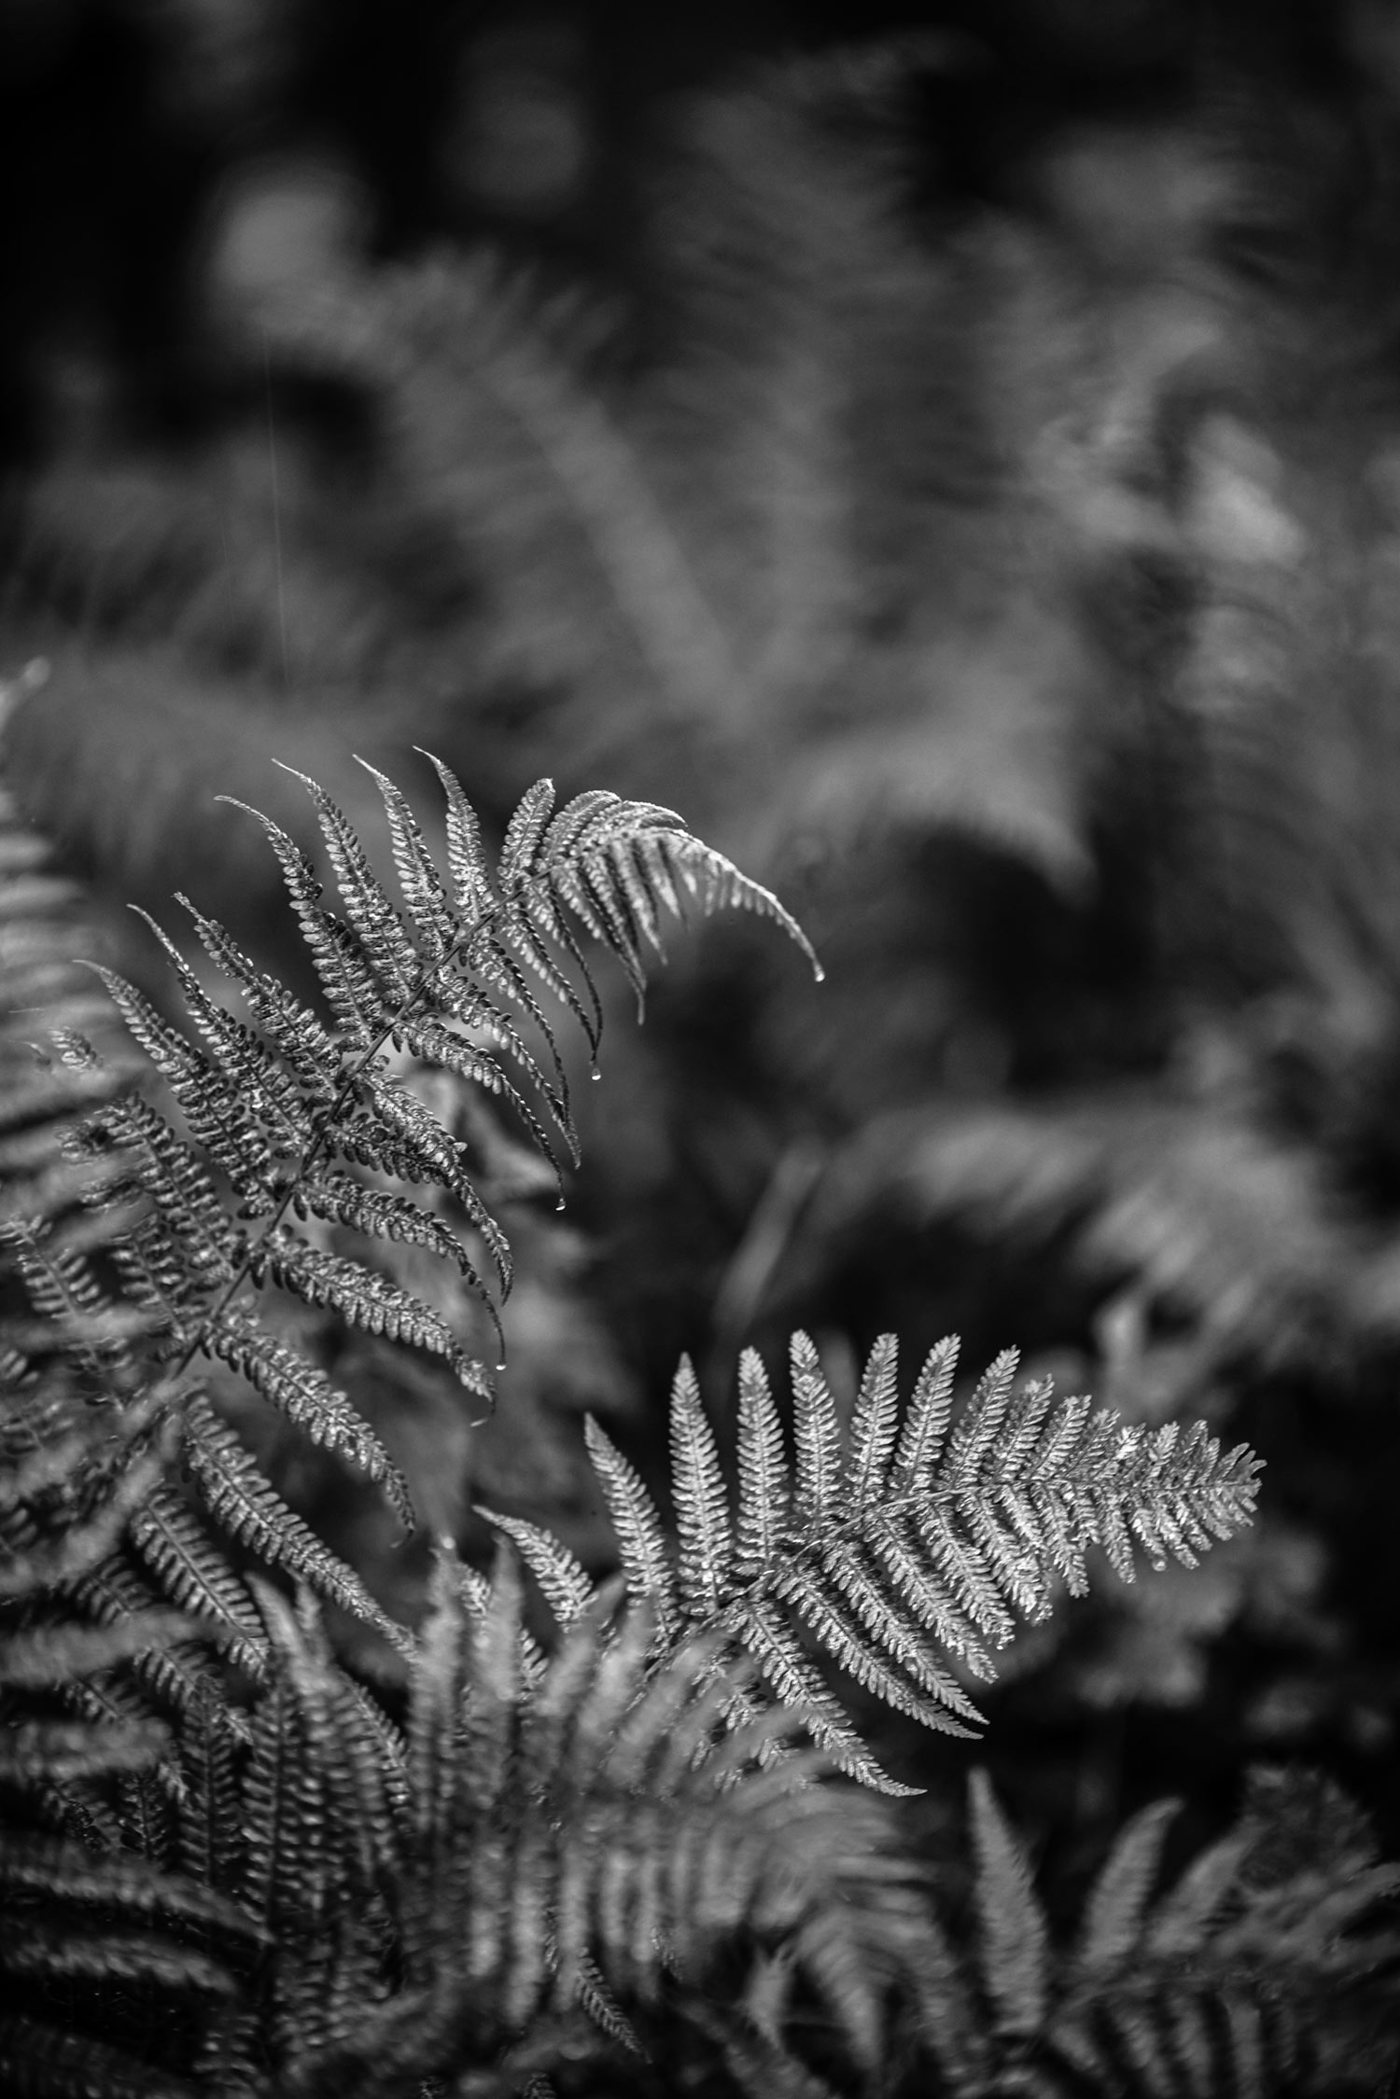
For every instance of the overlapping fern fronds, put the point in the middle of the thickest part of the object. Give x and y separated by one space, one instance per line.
285 1115
640 1834
915 1535
1270 1964
550 1850
105 1944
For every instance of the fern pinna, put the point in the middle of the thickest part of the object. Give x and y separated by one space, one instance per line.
235 1869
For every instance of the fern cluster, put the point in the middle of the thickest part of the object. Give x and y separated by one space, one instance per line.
233 1866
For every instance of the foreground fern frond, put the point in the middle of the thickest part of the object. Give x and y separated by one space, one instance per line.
913 1535
1270 1965
580 1837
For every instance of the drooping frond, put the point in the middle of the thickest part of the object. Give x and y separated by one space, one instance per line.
281 1111
913 1536
1270 1964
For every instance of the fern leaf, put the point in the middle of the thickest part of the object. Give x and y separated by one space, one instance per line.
524 834
189 1569
420 884
542 927
120 1959
355 1832
286 1022
585 1834
563 1582
433 1044
702 1501
379 1213
925 1425
473 891
73 1554
764 1632
173 1676
762 1468
646 1553
913 1535
363 1299
243 1057
875 1420
1013 1937
238 1497
984 1415
307 1397
435 1713
1118 1901
209 1832
223 1121
382 940
305 889
284 1820
816 1433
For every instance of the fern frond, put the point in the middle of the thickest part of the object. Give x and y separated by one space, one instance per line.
1270 1964
906 1532
581 1836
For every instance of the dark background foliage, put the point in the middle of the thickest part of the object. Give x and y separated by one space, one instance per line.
961 476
